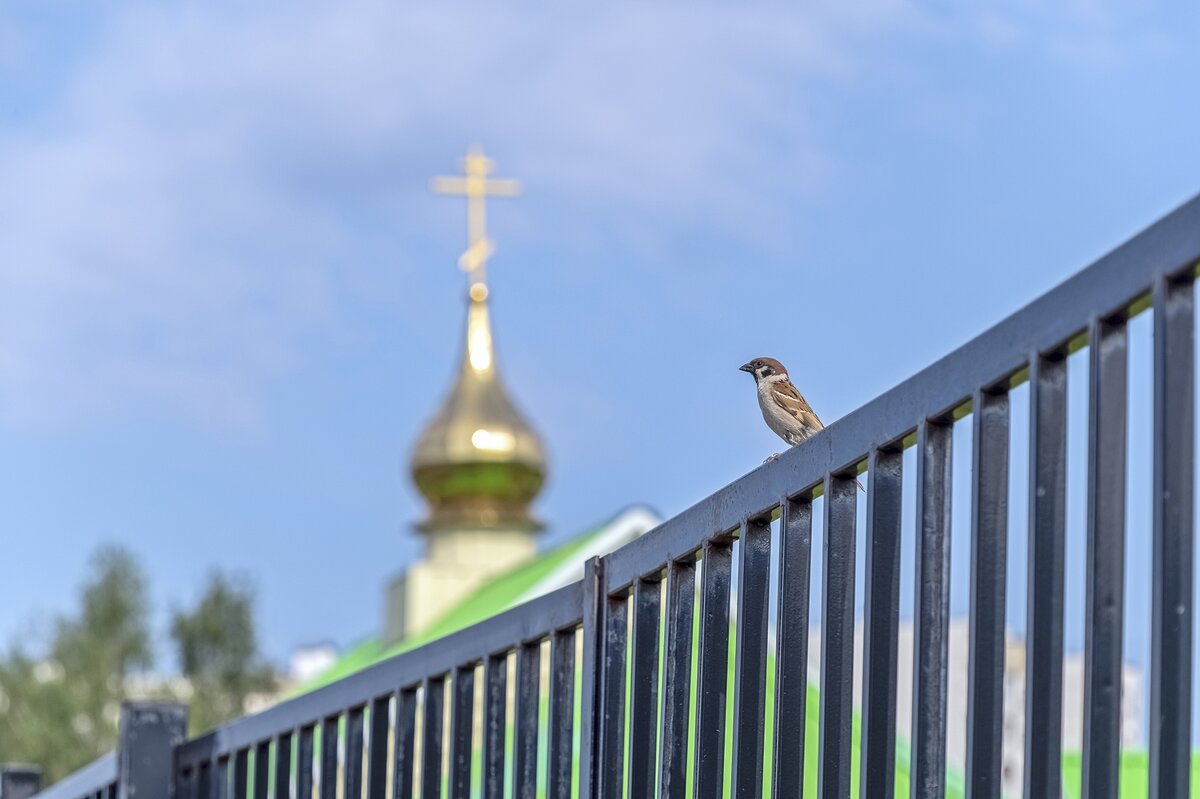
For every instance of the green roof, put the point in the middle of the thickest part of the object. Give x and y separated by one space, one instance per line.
501 593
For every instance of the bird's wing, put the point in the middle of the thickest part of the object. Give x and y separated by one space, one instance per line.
792 402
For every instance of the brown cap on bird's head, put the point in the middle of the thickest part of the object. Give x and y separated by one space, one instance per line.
763 367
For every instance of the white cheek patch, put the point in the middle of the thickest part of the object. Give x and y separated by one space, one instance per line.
774 378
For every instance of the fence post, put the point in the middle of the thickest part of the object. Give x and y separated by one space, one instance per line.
19 780
149 734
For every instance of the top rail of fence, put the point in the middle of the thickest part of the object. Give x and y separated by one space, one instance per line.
1119 282
92 780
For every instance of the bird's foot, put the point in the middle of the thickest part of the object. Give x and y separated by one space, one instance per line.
774 457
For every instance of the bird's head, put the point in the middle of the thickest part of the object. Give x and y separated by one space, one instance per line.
762 368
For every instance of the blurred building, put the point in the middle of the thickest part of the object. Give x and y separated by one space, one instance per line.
479 465
307 662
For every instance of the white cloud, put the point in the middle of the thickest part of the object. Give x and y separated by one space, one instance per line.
1085 35
171 225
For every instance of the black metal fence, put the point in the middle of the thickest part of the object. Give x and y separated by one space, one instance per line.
634 701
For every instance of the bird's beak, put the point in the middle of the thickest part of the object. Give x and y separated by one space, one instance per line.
747 368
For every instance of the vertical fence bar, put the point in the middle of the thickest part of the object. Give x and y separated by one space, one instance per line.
931 635
989 537
283 768
712 665
1044 625
495 704
1105 599
562 715
378 748
881 623
643 704
612 720
750 662
405 735
837 638
304 763
241 773
590 685
220 781
352 765
185 785
204 781
432 733
529 669
262 769
329 758
791 646
677 695
1174 534
462 722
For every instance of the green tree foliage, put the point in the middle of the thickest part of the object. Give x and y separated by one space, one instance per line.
218 653
60 710
60 705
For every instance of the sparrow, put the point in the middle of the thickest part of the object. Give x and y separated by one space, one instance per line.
783 407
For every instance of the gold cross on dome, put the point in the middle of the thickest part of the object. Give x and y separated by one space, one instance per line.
476 186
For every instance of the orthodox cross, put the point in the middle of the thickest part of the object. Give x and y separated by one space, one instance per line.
476 186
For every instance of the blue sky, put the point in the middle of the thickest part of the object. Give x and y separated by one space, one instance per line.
228 301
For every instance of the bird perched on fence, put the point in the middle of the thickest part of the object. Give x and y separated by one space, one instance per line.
783 407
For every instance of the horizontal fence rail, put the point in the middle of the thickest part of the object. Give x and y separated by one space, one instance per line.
95 781
659 674
390 722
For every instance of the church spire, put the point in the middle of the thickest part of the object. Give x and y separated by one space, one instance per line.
478 463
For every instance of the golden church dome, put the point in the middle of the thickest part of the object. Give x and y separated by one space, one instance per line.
479 462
